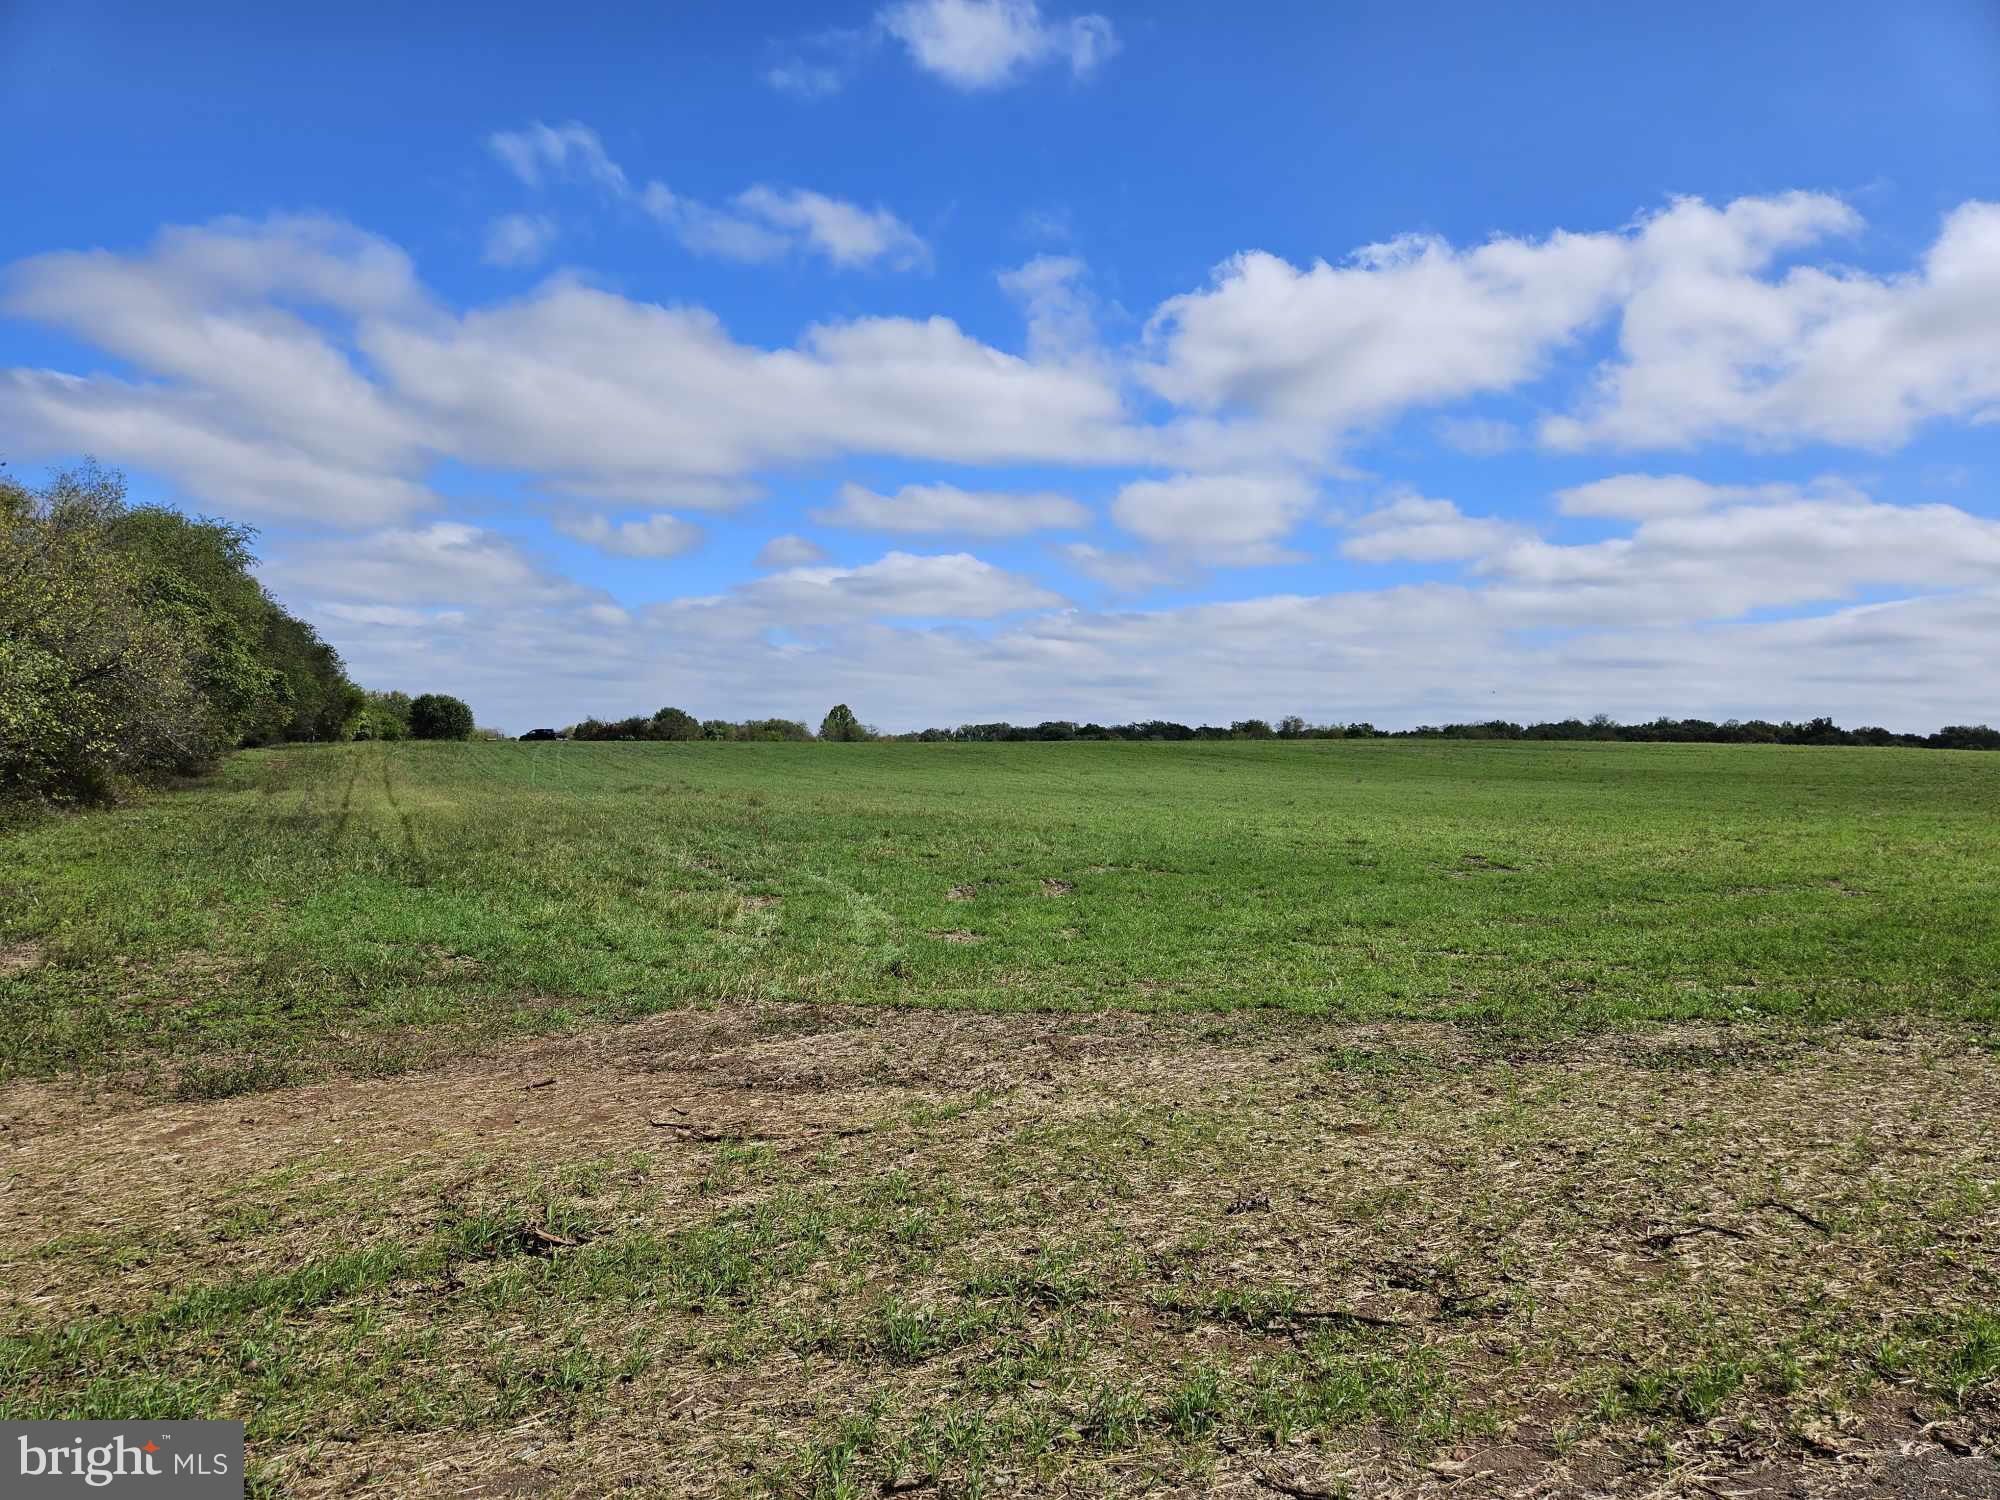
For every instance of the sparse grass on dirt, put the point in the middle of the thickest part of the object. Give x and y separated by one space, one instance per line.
824 1251
1489 1121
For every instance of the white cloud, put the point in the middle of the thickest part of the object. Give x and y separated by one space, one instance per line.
657 535
1122 572
983 44
538 154
1714 346
1714 343
447 562
789 551
1411 528
947 509
952 586
1224 518
844 233
1328 350
1061 324
392 616
1642 497
1757 554
249 393
519 239
762 223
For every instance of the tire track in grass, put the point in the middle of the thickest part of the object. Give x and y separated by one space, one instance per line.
416 854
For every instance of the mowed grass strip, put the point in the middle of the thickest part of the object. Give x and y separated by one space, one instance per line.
370 907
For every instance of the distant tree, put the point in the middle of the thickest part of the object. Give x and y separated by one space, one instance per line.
1291 727
1967 737
841 725
439 716
773 729
1250 729
676 724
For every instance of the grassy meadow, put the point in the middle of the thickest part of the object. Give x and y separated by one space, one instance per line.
1320 1118
363 897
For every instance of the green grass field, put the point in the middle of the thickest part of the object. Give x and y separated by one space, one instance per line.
1310 1119
361 892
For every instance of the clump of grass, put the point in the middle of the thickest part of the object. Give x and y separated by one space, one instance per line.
227 1080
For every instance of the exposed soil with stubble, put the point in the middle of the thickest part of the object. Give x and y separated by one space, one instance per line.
803 1249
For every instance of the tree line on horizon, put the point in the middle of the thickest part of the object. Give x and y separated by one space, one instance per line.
840 724
136 644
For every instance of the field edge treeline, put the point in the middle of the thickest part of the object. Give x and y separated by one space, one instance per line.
676 724
136 645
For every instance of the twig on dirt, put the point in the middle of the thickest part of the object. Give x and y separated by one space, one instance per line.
1296 1315
1249 1203
1798 1213
1667 1237
539 1083
696 1133
1292 1487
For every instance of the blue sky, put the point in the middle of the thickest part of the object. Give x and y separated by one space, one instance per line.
964 359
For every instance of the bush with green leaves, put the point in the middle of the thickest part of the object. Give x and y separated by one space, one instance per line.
439 716
676 724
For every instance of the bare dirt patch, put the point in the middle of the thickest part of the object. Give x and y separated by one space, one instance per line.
19 958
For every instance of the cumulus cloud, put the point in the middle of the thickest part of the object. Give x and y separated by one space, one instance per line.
1122 572
447 562
1411 528
984 44
245 400
947 509
1714 340
519 239
1641 497
761 223
952 586
789 551
1228 518
1411 322
658 535
844 233
1738 558
1712 344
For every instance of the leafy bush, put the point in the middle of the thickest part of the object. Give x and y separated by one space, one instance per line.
439 716
676 724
